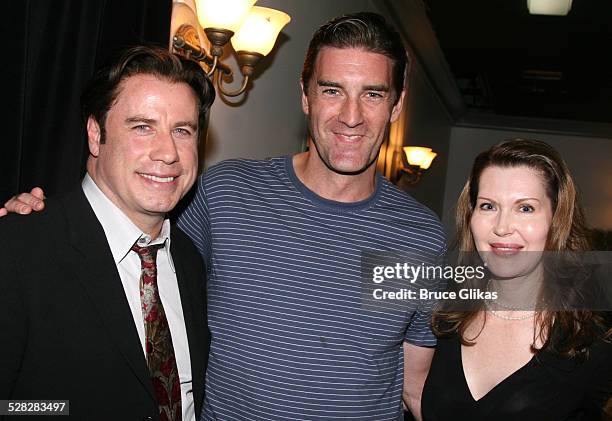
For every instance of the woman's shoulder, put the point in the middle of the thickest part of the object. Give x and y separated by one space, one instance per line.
596 361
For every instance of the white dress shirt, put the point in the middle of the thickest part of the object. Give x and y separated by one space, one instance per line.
122 234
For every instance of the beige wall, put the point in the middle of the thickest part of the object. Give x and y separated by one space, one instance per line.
269 120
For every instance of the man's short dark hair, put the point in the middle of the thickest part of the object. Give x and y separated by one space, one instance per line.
105 85
369 31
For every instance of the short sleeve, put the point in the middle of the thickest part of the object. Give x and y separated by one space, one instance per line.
419 330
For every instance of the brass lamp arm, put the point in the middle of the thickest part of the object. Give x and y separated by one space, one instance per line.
247 61
234 93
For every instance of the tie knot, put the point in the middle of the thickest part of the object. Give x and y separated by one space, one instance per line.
148 252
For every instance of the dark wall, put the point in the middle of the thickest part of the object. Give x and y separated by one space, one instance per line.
429 124
51 49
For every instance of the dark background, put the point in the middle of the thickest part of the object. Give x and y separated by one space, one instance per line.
506 61
51 49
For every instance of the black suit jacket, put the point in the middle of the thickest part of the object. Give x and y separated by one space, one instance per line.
65 324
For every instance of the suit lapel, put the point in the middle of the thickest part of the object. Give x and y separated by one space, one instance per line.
97 272
192 284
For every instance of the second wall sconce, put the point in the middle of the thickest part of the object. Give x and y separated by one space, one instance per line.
253 31
419 159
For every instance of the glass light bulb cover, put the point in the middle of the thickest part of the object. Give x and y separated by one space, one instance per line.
223 14
428 160
549 7
260 29
416 155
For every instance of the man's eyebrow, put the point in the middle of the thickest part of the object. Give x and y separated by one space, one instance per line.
379 88
140 119
328 83
189 124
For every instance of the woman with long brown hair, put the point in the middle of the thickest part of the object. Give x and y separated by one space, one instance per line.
530 355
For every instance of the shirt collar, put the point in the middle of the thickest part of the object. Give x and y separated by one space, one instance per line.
121 233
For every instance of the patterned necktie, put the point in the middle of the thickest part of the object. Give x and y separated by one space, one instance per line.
159 349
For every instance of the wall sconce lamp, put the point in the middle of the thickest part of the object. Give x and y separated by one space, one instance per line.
419 159
549 7
253 31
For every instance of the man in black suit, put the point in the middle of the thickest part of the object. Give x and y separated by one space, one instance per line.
102 303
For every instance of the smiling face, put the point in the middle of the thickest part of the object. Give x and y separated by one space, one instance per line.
512 215
149 158
350 103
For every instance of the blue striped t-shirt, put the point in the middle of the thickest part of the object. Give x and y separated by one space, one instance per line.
290 337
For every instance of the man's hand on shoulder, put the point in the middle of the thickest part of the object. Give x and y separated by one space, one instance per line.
25 203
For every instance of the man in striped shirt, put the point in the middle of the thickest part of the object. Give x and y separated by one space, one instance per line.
283 240
283 237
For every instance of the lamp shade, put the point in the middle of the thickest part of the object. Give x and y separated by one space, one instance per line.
419 156
428 160
549 7
259 31
223 14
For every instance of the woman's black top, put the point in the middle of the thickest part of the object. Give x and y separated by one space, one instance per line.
546 388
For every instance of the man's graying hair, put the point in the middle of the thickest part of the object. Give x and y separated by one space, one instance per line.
364 30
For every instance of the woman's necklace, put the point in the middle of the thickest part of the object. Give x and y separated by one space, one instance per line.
503 316
498 314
